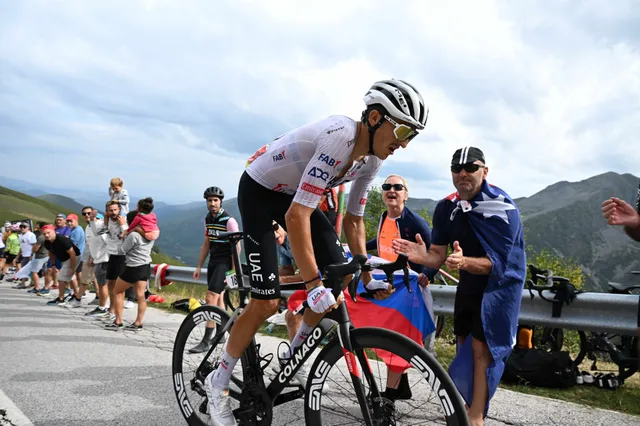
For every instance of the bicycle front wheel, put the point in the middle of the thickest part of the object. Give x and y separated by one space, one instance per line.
425 392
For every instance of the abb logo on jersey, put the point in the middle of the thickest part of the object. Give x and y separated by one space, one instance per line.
312 189
328 160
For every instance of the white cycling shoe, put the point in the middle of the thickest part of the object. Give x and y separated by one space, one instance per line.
219 404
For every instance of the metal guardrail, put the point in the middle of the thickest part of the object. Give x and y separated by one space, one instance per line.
600 312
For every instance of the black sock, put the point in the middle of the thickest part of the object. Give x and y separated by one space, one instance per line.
207 334
391 394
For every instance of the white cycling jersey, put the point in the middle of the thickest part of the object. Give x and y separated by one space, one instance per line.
308 160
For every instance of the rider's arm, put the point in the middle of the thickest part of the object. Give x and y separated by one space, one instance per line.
355 232
298 220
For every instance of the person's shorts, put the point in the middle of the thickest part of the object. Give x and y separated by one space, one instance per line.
216 275
100 272
24 260
10 258
133 274
80 266
66 274
260 241
57 264
467 316
34 265
2 255
296 299
88 275
115 266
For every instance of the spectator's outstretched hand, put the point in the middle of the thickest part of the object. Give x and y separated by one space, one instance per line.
619 212
416 252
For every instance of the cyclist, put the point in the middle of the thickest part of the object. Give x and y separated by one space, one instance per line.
219 257
285 181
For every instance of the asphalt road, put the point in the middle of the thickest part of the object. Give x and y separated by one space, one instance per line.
58 367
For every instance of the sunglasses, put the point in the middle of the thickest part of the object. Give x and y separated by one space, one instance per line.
86 213
276 227
402 131
468 167
396 186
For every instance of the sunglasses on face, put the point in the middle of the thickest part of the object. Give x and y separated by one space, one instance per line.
86 213
396 186
401 131
468 167
276 227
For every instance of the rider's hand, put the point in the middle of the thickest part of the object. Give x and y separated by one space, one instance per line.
374 285
320 299
196 274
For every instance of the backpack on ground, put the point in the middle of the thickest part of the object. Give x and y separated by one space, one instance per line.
536 367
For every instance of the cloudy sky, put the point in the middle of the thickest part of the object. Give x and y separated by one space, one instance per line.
174 96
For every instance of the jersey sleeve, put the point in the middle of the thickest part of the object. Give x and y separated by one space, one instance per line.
232 225
331 147
359 191
440 231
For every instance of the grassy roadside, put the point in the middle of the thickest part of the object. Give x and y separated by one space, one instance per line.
624 400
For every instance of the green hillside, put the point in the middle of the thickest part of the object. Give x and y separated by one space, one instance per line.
61 200
16 205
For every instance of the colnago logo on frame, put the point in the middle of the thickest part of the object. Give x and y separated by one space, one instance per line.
178 383
434 382
300 354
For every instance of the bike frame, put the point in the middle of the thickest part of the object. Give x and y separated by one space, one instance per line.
253 372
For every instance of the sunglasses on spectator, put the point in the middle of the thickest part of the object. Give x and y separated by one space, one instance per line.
396 186
86 213
276 227
402 131
468 167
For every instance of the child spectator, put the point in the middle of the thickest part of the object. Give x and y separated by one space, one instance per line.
145 222
119 194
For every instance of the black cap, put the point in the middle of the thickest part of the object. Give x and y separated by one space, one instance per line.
468 154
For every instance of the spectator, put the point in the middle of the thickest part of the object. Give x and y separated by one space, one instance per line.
116 262
482 220
96 258
329 205
2 249
119 194
618 212
12 248
136 273
219 252
53 266
145 225
77 237
63 250
37 261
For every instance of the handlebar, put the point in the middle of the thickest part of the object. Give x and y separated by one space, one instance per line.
544 275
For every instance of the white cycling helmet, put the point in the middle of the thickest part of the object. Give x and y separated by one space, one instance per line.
401 100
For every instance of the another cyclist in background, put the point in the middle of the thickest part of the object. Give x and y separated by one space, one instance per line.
620 213
482 220
219 251
285 182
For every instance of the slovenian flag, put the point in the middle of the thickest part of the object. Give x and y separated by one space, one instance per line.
402 312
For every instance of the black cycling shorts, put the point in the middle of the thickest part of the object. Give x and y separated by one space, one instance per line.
133 274
259 206
115 266
216 274
467 316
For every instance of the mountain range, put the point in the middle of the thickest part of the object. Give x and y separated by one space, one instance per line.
564 218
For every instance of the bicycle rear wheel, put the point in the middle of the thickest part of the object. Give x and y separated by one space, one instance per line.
337 404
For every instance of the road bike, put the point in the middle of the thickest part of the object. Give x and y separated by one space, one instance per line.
349 362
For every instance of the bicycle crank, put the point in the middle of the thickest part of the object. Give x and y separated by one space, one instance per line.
256 408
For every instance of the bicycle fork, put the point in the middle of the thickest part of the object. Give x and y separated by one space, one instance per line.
350 357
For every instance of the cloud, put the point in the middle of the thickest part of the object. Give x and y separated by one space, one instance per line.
175 96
